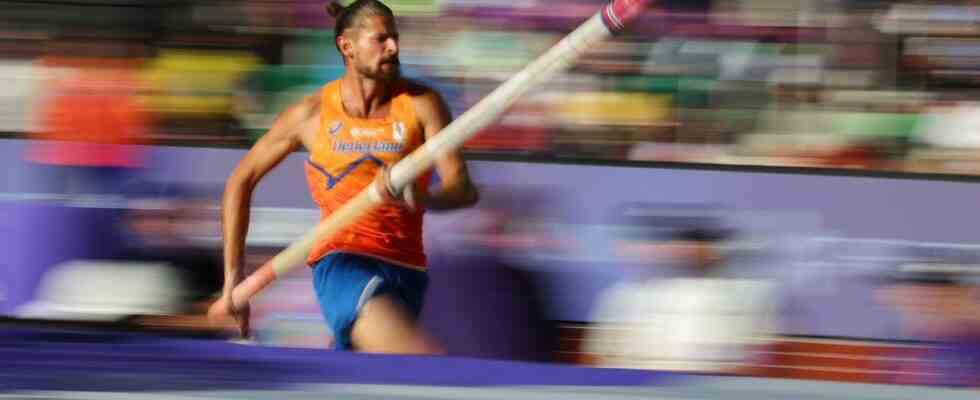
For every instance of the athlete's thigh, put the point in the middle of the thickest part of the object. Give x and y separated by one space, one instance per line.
385 325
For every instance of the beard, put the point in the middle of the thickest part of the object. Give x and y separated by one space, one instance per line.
380 73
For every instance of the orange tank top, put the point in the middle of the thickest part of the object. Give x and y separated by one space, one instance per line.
347 155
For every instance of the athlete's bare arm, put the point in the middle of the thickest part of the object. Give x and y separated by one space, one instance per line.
292 129
456 189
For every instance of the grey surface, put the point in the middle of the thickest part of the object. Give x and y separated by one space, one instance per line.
694 388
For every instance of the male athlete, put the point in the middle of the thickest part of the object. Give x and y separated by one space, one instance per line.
370 277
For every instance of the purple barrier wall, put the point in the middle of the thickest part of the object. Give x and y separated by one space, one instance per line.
785 211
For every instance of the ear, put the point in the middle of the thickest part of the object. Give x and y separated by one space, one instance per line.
345 45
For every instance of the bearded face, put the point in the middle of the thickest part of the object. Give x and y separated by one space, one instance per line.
371 48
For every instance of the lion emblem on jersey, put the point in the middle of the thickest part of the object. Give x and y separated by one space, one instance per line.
398 132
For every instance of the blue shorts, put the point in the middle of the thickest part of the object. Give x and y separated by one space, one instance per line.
345 282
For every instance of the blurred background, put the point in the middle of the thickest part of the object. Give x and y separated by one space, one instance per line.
635 214
880 85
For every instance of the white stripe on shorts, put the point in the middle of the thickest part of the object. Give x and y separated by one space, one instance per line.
368 291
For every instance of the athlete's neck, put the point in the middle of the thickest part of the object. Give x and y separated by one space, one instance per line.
364 97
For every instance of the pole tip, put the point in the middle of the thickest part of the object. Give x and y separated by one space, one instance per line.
619 13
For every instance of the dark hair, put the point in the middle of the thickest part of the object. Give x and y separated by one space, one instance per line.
347 16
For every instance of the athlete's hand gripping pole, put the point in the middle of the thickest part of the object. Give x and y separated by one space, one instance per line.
608 21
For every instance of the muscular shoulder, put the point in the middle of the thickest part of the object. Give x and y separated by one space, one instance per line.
429 105
305 108
301 119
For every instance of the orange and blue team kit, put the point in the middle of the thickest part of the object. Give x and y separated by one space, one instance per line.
382 252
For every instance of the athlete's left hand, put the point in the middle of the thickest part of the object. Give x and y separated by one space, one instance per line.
409 197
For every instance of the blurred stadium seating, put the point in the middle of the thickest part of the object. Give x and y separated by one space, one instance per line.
867 85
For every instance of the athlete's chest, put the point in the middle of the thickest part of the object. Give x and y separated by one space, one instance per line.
390 136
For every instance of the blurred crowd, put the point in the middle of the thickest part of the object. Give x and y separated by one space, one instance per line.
694 299
876 84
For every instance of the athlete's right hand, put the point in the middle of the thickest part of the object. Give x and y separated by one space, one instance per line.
240 313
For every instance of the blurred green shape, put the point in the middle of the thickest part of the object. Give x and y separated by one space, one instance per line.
404 8
686 91
410 8
873 124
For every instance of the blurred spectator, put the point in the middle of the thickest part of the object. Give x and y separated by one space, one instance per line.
699 320
90 118
163 228
19 78
156 276
952 125
939 304
191 91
